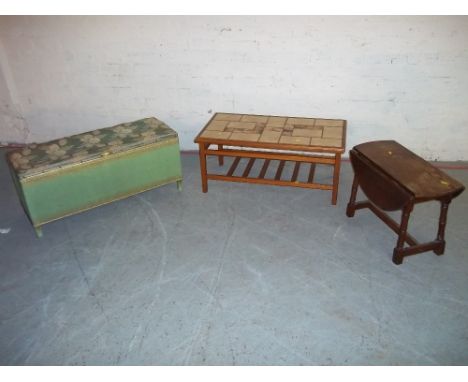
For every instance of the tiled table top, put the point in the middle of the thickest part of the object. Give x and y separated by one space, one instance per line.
275 131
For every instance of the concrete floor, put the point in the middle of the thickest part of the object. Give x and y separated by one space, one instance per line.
243 275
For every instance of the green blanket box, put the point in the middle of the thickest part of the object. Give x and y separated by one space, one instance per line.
73 174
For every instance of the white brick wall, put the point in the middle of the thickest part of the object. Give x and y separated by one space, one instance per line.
403 78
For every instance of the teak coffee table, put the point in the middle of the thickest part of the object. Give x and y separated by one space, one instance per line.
272 138
394 178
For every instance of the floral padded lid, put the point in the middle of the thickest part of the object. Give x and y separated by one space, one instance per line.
38 158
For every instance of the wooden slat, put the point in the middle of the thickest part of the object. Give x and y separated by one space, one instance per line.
220 158
264 169
248 168
296 171
280 170
270 181
272 155
233 166
311 173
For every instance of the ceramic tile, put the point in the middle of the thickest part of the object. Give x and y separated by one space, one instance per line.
274 128
241 125
329 122
307 132
301 121
277 121
270 137
216 134
245 137
303 141
254 118
327 142
217 125
332 132
227 117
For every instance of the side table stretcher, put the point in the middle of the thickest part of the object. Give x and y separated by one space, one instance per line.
394 178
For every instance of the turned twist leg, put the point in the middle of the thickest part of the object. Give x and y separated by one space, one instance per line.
397 255
350 209
444 204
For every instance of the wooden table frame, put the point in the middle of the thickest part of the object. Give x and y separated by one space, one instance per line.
414 247
400 192
268 156
268 138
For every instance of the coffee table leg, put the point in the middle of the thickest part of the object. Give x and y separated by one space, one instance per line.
442 222
220 157
202 154
336 178
350 209
397 256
